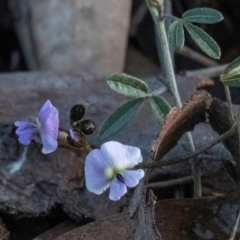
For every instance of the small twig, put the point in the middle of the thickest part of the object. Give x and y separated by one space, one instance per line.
170 183
161 163
197 57
234 232
208 72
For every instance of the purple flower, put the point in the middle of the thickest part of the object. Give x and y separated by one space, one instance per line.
108 166
45 130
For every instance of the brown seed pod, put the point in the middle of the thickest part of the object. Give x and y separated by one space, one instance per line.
77 112
87 126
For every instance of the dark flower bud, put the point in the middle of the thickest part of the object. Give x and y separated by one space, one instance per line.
77 112
75 138
87 126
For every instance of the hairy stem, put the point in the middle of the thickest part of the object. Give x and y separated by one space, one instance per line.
157 14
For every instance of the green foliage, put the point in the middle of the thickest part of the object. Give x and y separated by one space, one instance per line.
203 40
233 81
133 87
176 35
231 76
127 85
120 117
160 107
202 15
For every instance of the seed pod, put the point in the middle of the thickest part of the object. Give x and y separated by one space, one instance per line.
75 138
77 112
87 126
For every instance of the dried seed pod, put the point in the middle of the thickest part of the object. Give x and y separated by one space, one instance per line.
75 138
87 126
77 112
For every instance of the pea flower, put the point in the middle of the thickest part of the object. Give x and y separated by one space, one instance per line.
109 166
45 130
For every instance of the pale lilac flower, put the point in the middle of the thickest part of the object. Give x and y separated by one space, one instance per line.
45 130
108 166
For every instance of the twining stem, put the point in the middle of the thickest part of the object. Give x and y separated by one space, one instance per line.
156 10
229 102
160 163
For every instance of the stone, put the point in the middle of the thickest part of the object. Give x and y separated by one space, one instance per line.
80 35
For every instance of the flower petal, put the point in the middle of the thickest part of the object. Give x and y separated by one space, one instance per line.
45 108
133 155
112 153
49 123
26 131
121 156
132 177
95 167
117 189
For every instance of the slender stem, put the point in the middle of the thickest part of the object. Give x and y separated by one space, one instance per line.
229 102
170 183
157 14
160 163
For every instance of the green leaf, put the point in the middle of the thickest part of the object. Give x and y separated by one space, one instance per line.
234 66
127 85
176 35
160 107
202 15
232 81
121 117
203 40
230 167
231 75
